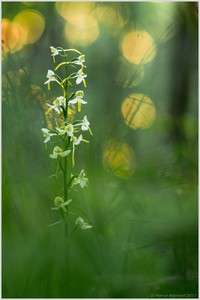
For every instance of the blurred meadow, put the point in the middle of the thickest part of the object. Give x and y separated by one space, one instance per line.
142 94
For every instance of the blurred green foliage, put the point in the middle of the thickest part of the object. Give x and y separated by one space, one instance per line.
145 210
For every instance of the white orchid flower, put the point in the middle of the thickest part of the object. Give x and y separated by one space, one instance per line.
59 203
81 77
60 101
50 76
82 224
80 60
85 124
79 99
76 141
81 179
47 134
54 51
69 129
57 151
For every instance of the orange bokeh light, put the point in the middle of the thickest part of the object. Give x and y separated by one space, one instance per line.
26 28
11 41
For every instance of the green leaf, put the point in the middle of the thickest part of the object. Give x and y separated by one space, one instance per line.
71 96
69 83
55 174
55 208
55 223
66 202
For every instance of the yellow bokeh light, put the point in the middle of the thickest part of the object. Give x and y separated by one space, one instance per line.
82 28
127 75
75 11
82 33
119 157
109 16
31 24
138 47
138 111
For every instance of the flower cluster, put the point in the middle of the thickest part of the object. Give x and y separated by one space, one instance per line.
69 133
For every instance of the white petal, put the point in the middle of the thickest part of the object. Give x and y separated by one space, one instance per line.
47 81
74 101
79 79
83 101
53 156
84 127
86 226
47 139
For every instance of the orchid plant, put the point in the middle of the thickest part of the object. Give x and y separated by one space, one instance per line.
69 133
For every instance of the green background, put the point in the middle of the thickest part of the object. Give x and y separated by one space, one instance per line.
145 218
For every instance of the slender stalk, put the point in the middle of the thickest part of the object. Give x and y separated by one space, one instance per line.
65 180
65 161
65 175
65 148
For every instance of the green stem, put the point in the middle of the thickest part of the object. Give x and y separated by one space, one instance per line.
65 179
67 248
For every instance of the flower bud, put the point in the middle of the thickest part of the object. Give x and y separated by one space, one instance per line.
58 201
